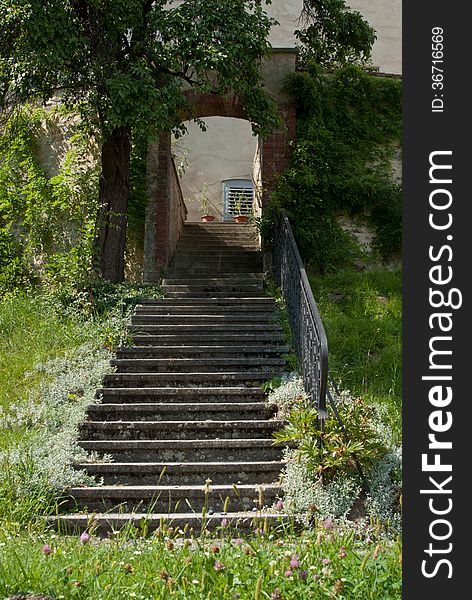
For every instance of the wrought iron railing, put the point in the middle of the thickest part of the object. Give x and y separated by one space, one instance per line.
309 336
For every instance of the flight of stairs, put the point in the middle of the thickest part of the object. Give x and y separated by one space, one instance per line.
184 416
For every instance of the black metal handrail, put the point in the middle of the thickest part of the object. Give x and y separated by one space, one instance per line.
309 336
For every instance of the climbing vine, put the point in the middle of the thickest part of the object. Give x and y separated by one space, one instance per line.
348 130
46 219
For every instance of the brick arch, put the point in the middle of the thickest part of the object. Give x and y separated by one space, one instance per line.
162 230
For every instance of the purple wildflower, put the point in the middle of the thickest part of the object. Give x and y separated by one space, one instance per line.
294 563
47 549
303 574
276 594
85 538
279 505
288 573
326 561
218 566
224 523
328 523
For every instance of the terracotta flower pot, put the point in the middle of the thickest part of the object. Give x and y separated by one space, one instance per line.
207 218
241 218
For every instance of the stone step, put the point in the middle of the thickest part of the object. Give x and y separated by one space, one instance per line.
178 430
206 328
210 270
193 365
225 279
173 498
107 523
195 289
207 450
168 395
191 319
196 411
182 473
219 293
210 309
221 351
215 338
255 301
220 379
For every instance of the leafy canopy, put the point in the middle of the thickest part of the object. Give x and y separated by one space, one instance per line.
334 34
125 62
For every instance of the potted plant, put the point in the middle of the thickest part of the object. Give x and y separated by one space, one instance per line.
205 203
239 217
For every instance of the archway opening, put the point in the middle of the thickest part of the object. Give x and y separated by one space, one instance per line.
219 169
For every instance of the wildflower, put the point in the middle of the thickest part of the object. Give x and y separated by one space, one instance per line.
218 566
258 531
85 538
215 548
279 505
238 541
276 594
328 523
294 563
342 552
279 543
170 545
47 549
288 573
303 574
326 561
224 523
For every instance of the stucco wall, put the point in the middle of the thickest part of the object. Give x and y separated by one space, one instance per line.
225 151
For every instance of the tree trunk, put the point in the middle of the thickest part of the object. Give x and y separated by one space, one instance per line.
110 238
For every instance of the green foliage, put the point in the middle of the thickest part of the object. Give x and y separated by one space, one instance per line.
336 563
123 63
348 126
334 34
46 222
362 314
336 453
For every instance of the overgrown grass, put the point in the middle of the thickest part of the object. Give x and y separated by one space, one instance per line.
54 350
362 315
326 563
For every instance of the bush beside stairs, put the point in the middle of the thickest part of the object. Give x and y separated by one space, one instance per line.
183 416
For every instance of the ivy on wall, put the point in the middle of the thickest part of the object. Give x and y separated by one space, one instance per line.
348 128
46 220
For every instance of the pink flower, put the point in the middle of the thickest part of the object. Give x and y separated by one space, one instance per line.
326 561
276 594
258 531
294 563
279 505
342 552
85 538
47 549
288 573
218 566
303 574
328 523
224 523
238 541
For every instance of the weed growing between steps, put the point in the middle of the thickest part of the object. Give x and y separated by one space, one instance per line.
321 482
54 351
330 561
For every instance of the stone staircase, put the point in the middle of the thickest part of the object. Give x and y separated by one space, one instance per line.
185 404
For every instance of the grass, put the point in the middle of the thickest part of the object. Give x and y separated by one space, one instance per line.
32 332
319 564
361 312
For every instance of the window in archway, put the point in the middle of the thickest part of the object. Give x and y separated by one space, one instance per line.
238 198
